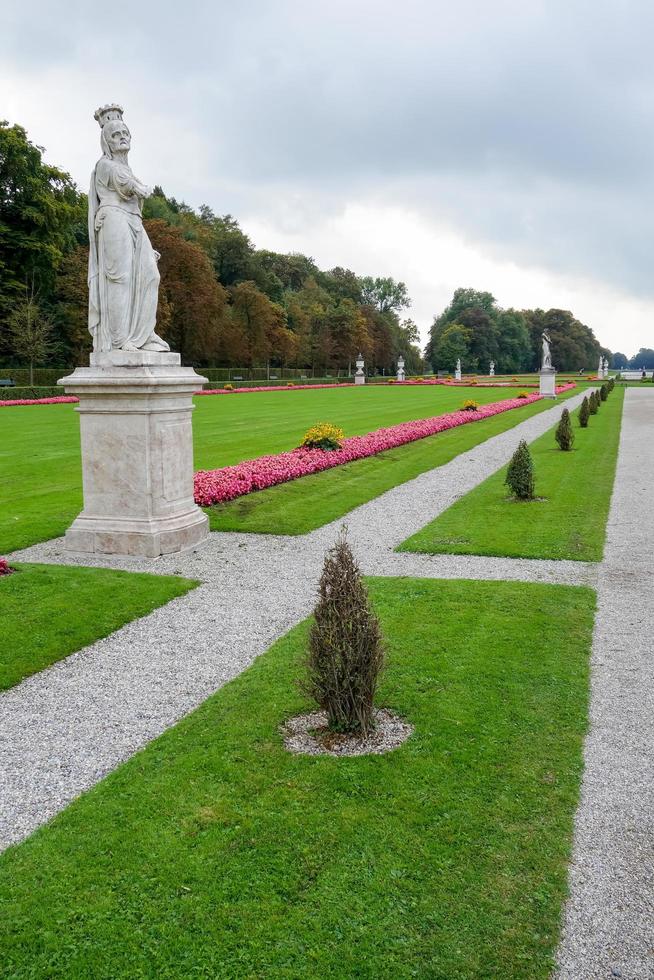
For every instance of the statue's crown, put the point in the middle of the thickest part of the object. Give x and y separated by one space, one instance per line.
107 113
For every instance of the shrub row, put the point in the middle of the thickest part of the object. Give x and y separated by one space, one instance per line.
42 376
30 394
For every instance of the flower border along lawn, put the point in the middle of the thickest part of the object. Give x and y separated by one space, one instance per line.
50 611
214 852
303 505
570 521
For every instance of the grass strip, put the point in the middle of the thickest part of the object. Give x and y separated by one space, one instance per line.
568 522
50 611
303 505
214 852
41 487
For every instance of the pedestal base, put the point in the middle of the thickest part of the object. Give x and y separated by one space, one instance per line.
137 455
548 383
457 375
359 379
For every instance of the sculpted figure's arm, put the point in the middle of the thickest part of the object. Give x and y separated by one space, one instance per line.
127 185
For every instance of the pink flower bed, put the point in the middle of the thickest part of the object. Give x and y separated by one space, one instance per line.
293 387
5 567
56 400
229 482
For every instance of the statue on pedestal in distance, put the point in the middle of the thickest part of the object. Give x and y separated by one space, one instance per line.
123 273
547 354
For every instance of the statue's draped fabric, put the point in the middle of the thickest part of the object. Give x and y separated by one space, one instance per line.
123 274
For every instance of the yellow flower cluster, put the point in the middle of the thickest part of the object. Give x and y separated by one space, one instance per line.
523 394
324 435
469 405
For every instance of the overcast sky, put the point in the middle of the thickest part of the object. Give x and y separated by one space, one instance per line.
506 146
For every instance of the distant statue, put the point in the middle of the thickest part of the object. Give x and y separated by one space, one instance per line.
492 368
123 273
600 370
458 363
547 353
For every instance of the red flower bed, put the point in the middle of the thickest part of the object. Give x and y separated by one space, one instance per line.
5 567
293 387
229 482
56 400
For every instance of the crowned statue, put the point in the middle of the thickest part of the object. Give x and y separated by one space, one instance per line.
123 273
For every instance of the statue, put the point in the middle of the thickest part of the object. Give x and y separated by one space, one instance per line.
492 369
600 370
123 273
458 364
547 354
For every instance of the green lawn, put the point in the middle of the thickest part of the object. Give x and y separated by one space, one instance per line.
303 505
569 522
214 853
40 491
49 611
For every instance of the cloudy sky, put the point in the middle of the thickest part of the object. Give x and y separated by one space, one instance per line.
489 143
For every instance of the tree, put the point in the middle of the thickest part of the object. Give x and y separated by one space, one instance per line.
30 333
513 342
584 413
384 294
71 305
564 434
619 361
191 303
643 359
452 344
260 320
520 474
346 650
574 345
41 217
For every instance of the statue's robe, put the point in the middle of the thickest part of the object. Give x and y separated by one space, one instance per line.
123 274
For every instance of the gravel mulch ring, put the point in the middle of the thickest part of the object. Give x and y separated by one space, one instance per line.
308 735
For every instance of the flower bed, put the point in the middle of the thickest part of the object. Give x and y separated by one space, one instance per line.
219 486
293 387
55 400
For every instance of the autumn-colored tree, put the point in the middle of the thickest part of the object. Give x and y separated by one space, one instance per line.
261 321
72 298
192 303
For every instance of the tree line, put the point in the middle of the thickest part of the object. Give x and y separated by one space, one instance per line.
476 330
221 301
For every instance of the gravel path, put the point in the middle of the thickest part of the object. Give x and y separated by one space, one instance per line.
609 918
66 727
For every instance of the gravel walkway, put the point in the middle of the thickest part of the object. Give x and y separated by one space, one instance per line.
66 727
609 919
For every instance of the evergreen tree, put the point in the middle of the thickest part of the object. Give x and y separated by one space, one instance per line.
520 474
564 435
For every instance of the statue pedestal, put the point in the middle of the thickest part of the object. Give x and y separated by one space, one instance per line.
137 455
359 379
457 375
548 382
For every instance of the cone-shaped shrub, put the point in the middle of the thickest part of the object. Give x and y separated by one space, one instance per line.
604 393
564 434
346 650
520 474
611 384
592 403
584 413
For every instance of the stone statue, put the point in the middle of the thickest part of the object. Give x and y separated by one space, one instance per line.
123 274
600 370
547 354
492 369
458 363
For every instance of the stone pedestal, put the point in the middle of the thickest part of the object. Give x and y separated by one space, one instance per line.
457 375
548 382
137 455
359 379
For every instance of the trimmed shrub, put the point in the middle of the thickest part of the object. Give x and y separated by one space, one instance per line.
520 474
228 387
31 394
469 405
604 393
564 434
346 650
324 435
522 394
584 413
593 405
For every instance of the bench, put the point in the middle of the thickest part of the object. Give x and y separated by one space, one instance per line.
7 383
237 377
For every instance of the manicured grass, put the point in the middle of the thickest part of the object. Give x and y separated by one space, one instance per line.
41 487
305 504
49 611
569 522
216 853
